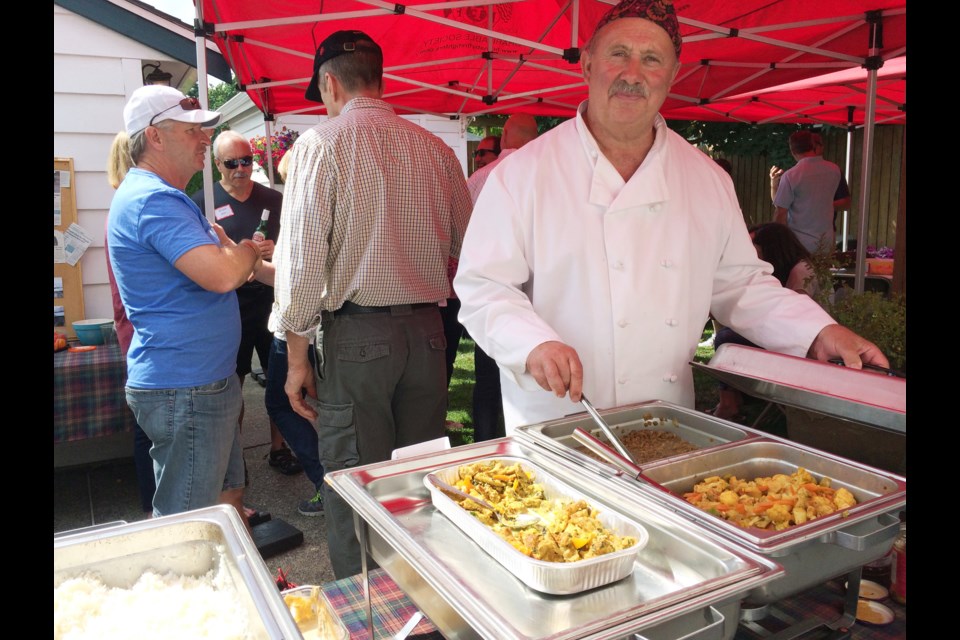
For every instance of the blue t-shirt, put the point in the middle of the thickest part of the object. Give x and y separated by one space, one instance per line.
184 335
807 191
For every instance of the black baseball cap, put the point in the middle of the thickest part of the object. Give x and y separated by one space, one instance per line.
336 44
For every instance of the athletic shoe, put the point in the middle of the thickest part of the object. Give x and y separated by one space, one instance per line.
311 507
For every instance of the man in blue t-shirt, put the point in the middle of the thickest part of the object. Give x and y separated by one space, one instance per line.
805 196
176 275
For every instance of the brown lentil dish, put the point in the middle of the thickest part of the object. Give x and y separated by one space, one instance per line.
647 445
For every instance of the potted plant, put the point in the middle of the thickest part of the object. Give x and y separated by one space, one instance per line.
279 144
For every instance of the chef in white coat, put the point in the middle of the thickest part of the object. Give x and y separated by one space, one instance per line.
596 252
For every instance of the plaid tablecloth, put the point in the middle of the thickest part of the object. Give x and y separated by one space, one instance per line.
88 396
392 608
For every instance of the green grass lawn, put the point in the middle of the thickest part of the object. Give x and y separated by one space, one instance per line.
705 386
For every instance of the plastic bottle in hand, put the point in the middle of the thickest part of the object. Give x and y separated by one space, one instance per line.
261 233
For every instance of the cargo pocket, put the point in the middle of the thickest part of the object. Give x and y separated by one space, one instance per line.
337 435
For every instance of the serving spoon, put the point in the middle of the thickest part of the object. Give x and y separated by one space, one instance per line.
520 521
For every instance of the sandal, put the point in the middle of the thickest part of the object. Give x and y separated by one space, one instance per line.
285 462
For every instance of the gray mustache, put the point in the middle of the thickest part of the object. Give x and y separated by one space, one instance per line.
625 88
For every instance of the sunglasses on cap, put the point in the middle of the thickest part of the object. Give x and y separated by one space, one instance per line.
245 161
187 104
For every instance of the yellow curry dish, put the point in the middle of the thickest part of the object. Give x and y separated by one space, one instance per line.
776 502
566 531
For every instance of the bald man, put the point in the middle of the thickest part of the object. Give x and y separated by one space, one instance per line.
518 130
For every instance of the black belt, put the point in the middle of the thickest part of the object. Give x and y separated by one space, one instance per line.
349 308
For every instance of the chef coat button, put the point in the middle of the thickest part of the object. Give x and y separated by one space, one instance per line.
622 323
671 322
621 381
618 265
656 207
666 377
673 377
666 264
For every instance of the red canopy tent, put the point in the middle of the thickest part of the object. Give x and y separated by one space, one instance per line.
470 57
839 99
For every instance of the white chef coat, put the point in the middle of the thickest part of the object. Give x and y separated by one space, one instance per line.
559 247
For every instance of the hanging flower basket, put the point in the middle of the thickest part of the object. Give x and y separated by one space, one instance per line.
280 143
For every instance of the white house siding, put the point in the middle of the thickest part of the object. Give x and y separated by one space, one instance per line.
95 70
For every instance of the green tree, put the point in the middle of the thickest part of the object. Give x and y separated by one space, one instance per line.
741 139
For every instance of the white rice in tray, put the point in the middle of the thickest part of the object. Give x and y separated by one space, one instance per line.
157 606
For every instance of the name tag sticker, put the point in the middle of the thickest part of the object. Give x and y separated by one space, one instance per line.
226 211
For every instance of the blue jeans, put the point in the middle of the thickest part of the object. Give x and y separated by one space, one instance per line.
295 429
196 442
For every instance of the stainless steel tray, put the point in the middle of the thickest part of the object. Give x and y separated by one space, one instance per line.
558 578
681 573
189 544
699 429
863 396
812 552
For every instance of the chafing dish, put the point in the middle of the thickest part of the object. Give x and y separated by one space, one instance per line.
863 396
685 577
699 429
187 544
812 552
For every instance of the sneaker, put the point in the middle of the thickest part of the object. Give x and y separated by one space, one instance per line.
311 507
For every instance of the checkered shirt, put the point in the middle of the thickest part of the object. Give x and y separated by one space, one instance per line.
373 208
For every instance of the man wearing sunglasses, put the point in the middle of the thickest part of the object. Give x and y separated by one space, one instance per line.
487 151
238 204
176 275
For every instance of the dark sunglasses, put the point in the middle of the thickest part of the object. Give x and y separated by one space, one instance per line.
245 161
480 152
187 104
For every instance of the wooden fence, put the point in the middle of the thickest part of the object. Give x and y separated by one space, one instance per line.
751 176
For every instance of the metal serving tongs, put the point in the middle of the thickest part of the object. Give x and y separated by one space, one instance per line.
621 458
519 521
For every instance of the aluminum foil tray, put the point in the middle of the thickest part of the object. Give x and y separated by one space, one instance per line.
557 578
867 397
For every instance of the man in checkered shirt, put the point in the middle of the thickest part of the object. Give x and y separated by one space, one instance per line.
373 208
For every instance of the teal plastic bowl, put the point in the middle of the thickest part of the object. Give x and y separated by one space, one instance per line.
88 331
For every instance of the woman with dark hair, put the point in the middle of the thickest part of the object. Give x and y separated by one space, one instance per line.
779 246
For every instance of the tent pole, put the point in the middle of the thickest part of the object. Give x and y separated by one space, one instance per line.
847 169
267 121
204 100
865 178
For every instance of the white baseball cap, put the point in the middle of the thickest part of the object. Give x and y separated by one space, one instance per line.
155 103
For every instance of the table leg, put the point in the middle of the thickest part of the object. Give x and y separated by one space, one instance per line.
361 527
